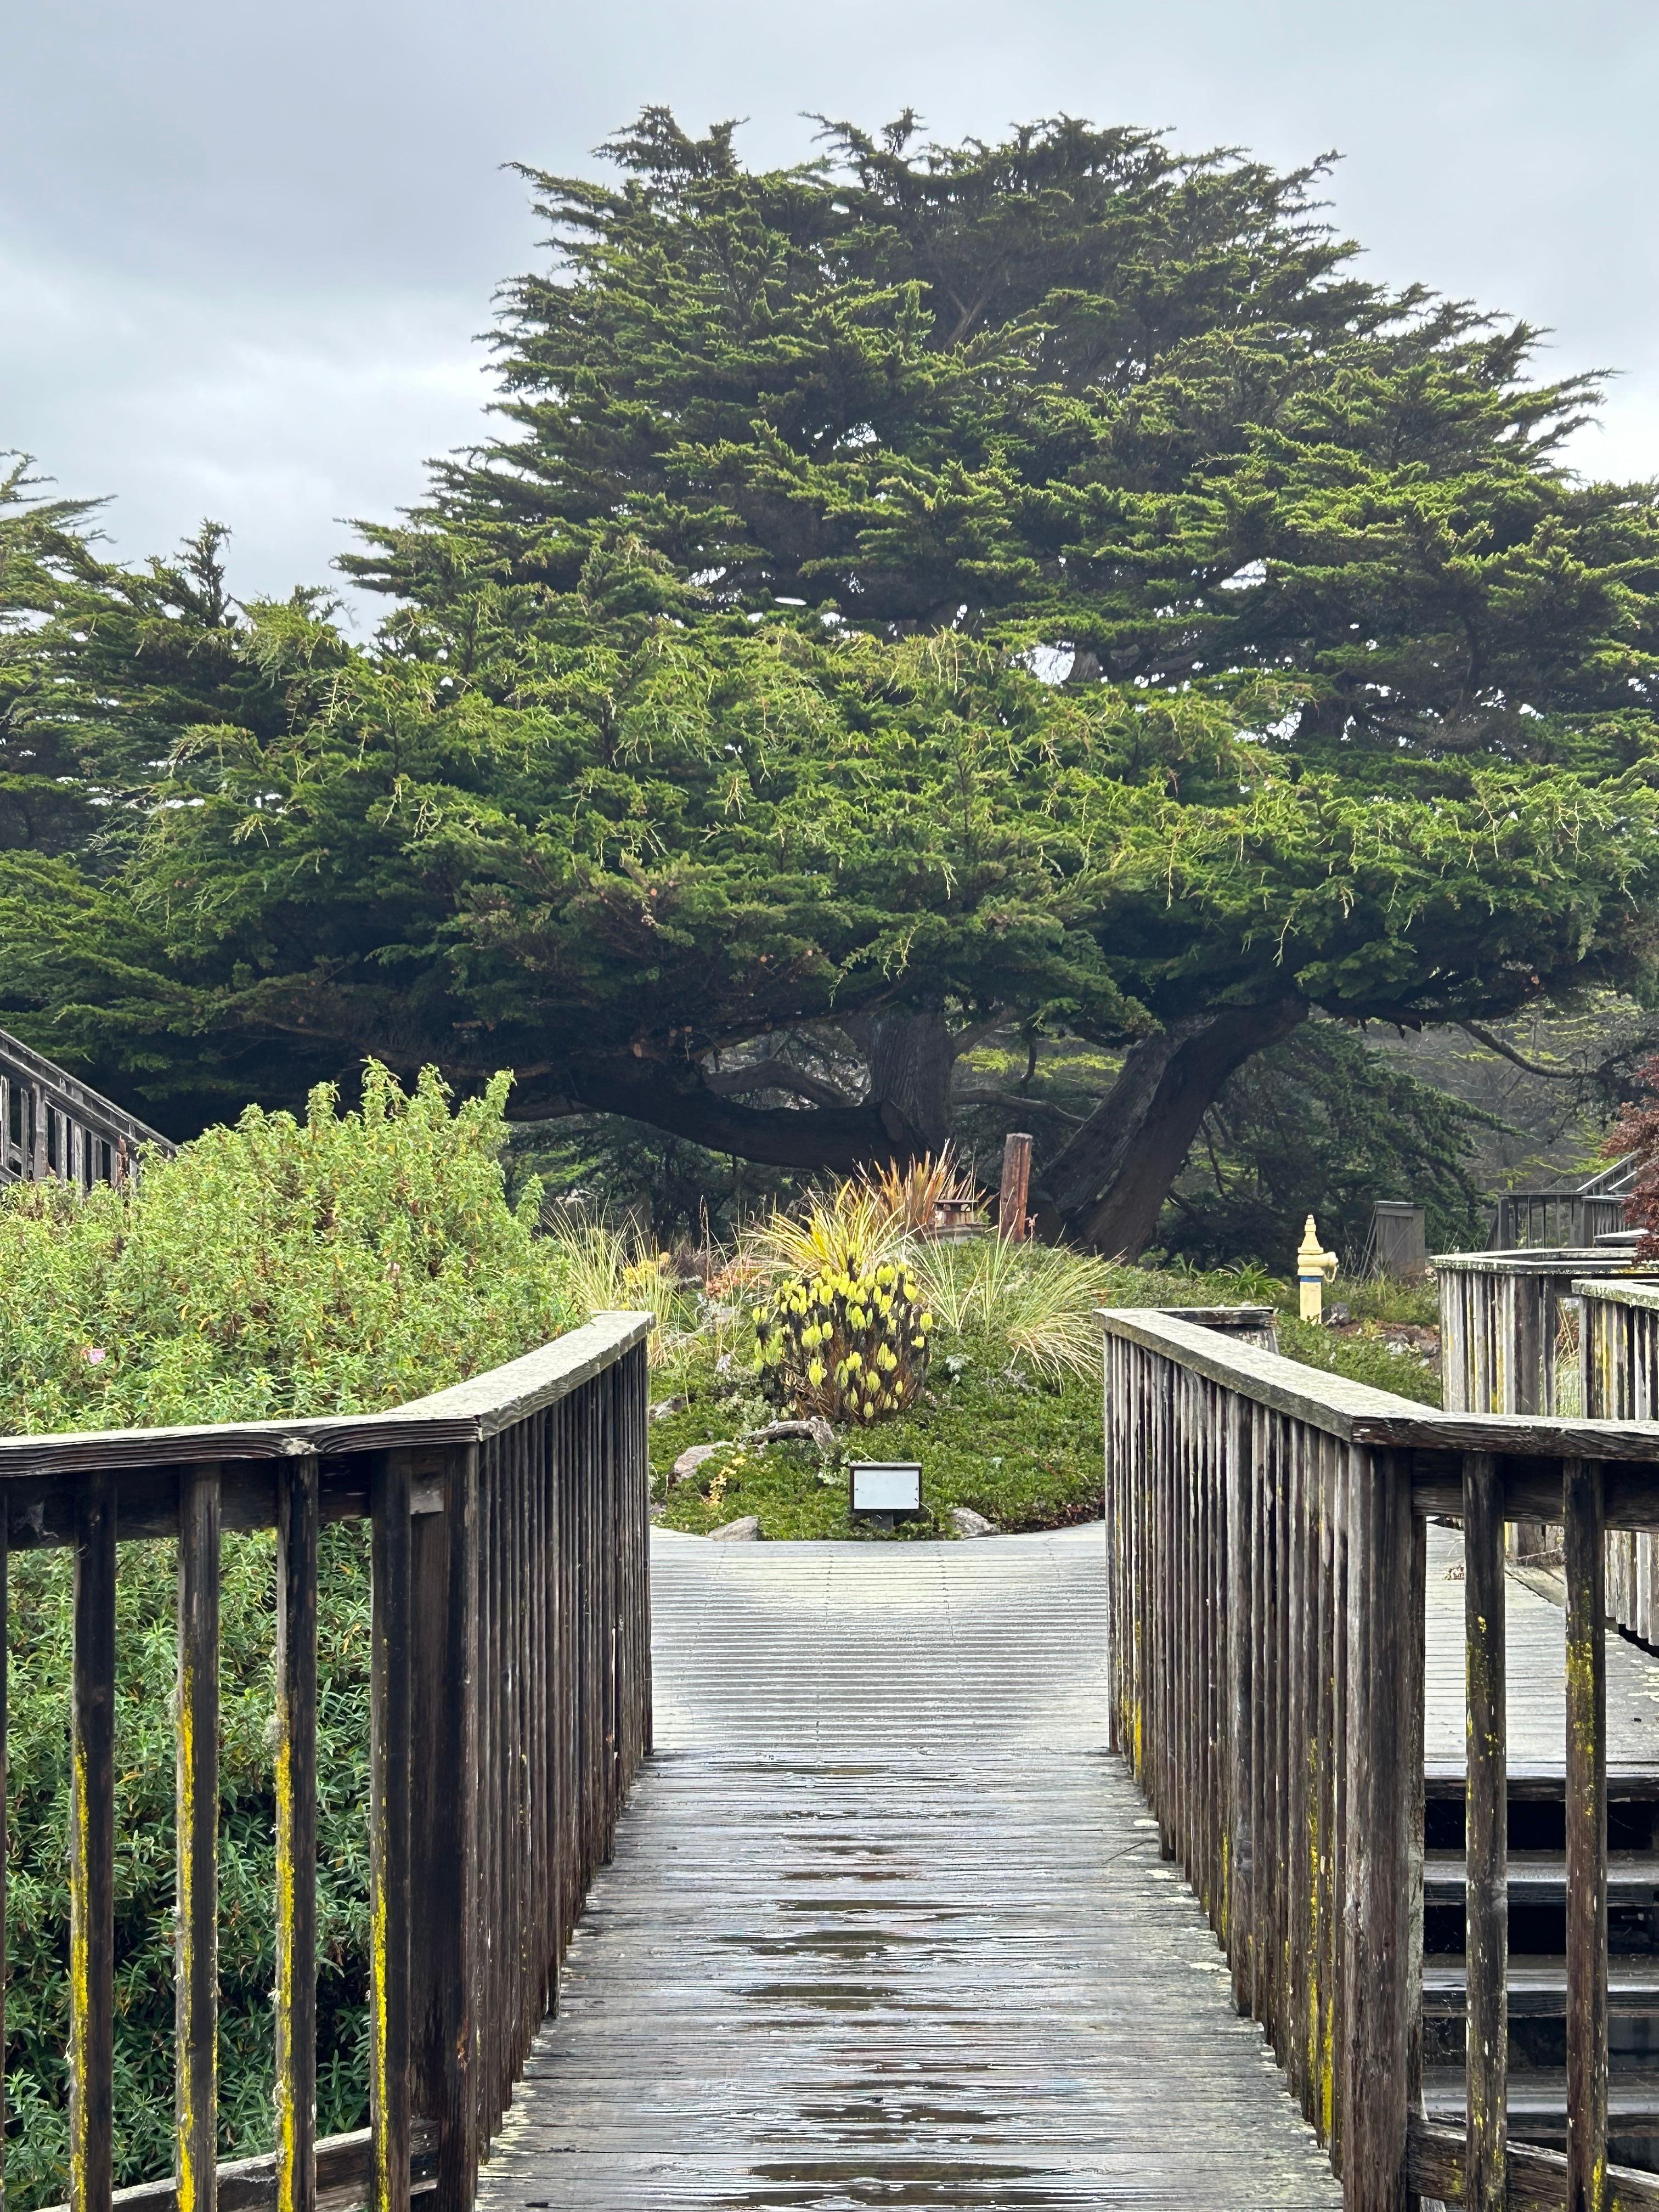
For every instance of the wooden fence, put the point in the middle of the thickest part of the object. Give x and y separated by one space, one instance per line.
510 1704
1266 1557
52 1125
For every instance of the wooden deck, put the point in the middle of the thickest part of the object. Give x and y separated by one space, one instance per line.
886 1926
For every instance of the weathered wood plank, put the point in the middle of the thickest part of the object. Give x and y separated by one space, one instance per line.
391 1649
295 2169
1486 1900
1587 1838
197 2145
883 1927
92 1853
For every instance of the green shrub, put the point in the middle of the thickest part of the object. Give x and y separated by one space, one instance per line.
339 1265
280 1267
852 1346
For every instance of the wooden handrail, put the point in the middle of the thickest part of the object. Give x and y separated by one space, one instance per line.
53 1127
510 1704
1267 1559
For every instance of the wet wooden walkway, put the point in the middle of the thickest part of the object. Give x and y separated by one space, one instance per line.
886 1926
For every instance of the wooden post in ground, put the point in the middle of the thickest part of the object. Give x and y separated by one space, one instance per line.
1016 1186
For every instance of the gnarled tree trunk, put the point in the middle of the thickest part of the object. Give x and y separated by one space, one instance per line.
1107 1186
912 1056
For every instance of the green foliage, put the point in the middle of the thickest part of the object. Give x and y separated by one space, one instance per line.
343 1264
1040 1300
1367 1357
1022 1451
851 1345
1321 1123
280 1267
715 699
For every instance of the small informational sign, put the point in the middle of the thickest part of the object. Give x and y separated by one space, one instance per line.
891 1488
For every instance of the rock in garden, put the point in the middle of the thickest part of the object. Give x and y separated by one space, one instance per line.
691 1459
813 1429
967 1523
667 1409
746 1531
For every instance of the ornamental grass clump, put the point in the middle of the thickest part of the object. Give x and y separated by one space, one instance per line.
850 1344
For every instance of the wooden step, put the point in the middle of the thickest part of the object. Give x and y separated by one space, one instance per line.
1538 1985
1540 1877
1627 1783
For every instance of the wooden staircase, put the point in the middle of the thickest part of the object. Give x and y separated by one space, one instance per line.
1537 1965
52 1128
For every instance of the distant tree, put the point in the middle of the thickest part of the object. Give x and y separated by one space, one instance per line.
927 592
1321 1121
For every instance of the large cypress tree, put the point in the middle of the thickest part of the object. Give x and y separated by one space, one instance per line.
929 587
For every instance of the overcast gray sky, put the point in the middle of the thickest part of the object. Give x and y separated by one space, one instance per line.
247 249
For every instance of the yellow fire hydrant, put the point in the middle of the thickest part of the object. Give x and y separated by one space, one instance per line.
1315 1268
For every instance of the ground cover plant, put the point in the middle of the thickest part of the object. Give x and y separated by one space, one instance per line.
339 1263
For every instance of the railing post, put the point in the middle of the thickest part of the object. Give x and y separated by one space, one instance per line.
1239 1934
1384 1687
196 2087
388 1831
298 1508
443 1821
1487 1831
1584 1518
92 1852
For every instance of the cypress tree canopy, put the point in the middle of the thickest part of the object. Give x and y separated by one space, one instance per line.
926 588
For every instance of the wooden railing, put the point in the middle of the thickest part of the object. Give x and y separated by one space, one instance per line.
1500 1326
1266 1554
510 1697
51 1126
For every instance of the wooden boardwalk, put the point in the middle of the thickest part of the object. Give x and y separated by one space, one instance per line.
886 1926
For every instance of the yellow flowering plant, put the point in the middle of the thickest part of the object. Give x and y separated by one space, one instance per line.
848 1342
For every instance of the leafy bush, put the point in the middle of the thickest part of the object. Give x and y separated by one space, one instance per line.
851 1346
342 1264
279 1267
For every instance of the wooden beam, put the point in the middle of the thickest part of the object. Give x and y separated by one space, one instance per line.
297 1527
92 1853
197 1745
1487 1847
1587 1838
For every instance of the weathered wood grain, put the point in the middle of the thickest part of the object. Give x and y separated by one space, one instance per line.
1487 1902
294 2172
197 2035
883 1924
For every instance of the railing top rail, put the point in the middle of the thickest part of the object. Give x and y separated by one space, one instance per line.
1360 1414
1533 1260
466 1414
1620 1290
89 1106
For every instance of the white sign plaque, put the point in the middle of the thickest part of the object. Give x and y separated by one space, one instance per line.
886 1486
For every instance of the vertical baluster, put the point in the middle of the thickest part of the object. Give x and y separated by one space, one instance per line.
1384 1680
389 1838
1240 1852
443 1814
297 1522
92 1852
1487 1835
5 1593
197 1988
1582 1512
